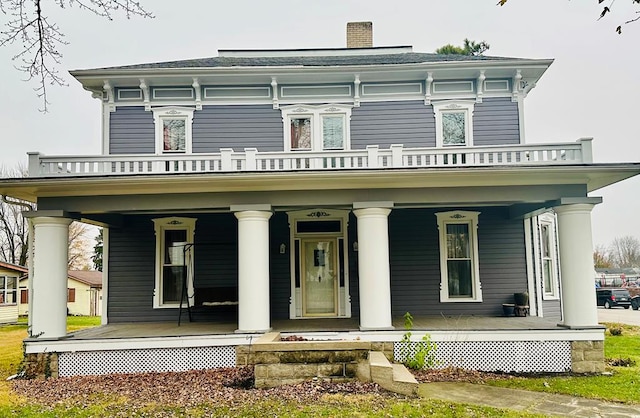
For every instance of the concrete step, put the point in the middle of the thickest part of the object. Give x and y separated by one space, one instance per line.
392 377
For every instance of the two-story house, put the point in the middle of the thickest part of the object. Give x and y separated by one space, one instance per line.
326 190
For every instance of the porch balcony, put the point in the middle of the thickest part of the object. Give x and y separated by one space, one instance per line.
373 157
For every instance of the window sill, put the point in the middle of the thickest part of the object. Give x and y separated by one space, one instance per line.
457 300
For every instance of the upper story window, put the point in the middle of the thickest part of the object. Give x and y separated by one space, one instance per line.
454 123
316 128
173 129
460 276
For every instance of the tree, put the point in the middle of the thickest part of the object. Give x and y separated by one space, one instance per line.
41 39
97 251
13 227
601 258
625 252
469 48
606 9
79 258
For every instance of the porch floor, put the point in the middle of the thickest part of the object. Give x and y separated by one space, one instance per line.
422 323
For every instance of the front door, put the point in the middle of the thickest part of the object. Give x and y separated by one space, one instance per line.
320 277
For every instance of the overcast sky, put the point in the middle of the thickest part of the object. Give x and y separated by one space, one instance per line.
591 90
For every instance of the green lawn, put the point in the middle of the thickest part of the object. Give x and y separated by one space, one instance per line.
622 385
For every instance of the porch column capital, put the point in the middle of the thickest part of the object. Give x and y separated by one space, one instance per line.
576 265
373 268
48 301
253 271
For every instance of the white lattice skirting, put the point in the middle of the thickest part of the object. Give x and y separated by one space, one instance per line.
145 360
505 356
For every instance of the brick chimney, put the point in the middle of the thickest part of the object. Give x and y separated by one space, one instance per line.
360 35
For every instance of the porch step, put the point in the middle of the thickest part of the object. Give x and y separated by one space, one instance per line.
392 377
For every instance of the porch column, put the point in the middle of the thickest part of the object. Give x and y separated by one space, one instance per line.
48 300
576 265
253 271
373 267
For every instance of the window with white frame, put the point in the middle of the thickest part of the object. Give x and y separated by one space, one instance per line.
454 123
548 256
459 271
8 290
174 261
173 129
316 128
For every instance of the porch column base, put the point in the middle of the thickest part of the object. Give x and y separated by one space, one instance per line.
257 331
391 328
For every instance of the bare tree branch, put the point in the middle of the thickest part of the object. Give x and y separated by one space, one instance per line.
42 40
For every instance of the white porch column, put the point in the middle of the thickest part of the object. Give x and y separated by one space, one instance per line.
373 268
253 271
48 301
576 265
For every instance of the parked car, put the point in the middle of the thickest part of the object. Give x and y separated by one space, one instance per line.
612 297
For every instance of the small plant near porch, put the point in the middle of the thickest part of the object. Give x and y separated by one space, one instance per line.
417 355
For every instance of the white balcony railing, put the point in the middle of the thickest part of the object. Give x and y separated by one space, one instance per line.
250 160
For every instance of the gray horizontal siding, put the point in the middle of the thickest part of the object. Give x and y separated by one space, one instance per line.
131 131
415 263
551 309
496 122
410 123
237 127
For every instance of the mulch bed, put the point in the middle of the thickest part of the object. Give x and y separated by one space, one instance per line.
190 388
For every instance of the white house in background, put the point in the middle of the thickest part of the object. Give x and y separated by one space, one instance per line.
333 188
84 293
9 275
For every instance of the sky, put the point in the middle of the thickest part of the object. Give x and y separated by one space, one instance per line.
591 90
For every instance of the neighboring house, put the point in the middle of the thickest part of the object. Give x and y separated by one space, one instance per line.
325 189
84 293
9 274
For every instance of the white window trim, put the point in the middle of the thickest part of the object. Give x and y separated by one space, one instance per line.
316 113
173 112
549 219
459 217
5 279
454 106
161 225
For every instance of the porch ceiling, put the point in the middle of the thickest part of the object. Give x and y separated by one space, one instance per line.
591 176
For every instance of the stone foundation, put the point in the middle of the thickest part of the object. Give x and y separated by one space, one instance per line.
587 356
40 365
288 362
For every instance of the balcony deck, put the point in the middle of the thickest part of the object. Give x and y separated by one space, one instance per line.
250 160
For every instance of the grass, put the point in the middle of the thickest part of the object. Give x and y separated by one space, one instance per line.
621 385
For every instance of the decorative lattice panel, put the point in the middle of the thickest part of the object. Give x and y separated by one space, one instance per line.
505 356
145 360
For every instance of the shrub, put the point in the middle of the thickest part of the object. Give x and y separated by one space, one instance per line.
417 355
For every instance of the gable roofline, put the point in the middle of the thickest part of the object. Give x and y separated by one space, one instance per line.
16 267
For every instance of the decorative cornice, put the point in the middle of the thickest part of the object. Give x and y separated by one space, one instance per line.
427 90
198 91
274 87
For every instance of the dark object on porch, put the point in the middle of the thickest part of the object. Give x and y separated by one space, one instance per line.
519 308
211 303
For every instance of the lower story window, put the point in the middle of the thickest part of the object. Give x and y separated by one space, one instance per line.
460 278
174 261
548 256
8 290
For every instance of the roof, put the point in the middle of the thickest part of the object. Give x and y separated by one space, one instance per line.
321 58
9 266
89 277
